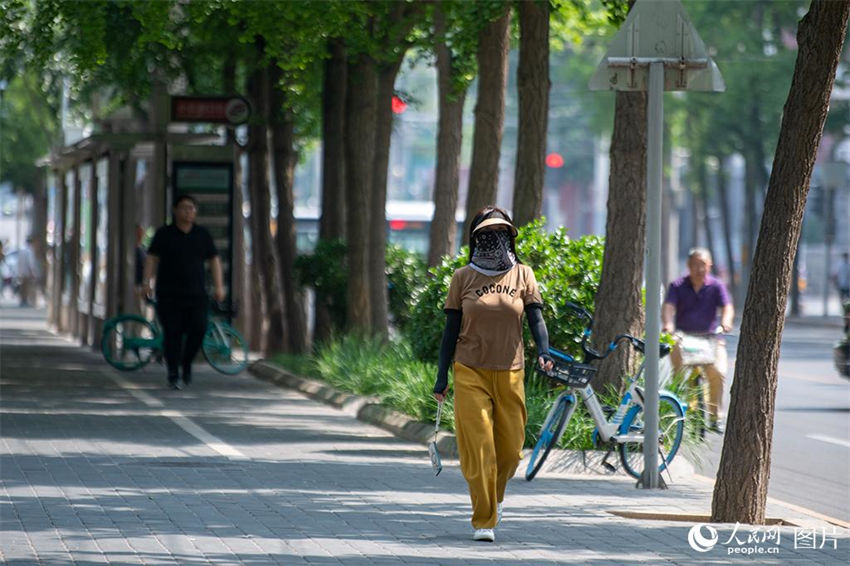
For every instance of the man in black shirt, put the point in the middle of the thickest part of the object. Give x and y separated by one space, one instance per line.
177 254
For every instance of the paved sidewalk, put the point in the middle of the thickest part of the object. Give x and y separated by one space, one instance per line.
103 467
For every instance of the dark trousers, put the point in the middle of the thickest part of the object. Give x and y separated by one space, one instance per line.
183 324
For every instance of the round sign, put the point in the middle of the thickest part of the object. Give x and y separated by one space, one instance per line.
237 110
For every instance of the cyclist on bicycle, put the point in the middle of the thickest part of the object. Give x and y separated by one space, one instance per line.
694 300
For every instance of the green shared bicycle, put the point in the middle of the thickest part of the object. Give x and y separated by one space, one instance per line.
131 341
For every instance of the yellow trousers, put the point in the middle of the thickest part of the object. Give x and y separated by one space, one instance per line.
490 420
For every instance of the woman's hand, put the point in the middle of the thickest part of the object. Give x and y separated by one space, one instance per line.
441 388
545 362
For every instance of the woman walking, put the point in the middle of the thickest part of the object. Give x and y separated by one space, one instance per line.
483 335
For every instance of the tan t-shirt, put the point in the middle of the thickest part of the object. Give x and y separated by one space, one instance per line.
491 324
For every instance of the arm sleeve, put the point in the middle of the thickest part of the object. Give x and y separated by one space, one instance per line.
156 243
724 296
534 314
447 348
212 251
671 296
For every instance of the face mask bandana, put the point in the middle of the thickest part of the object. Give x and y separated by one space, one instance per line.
493 255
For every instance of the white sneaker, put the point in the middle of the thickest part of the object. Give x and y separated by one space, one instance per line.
499 513
486 535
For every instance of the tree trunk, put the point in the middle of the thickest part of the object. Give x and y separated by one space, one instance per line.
361 97
723 194
794 301
493 45
284 158
378 201
705 204
533 90
749 221
237 293
443 234
264 258
332 222
618 302
740 492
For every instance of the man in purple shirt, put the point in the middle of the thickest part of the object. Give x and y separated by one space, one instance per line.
694 299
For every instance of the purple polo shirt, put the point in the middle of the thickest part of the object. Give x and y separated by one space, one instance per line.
697 311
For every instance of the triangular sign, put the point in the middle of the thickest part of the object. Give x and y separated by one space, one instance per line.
657 30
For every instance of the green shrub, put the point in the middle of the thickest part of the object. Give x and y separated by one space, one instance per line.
387 370
427 319
566 270
406 273
298 364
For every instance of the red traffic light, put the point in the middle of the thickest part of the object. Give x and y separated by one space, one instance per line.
554 160
398 105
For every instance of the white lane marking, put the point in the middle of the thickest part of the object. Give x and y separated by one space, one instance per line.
136 391
184 422
210 440
830 439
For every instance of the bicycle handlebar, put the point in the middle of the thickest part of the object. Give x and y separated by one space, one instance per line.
590 354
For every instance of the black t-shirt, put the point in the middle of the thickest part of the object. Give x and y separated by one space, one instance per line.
181 274
140 264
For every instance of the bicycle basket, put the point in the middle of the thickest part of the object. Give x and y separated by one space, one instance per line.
567 371
697 350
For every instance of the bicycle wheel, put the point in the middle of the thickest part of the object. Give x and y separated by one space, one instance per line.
129 342
225 349
550 433
671 424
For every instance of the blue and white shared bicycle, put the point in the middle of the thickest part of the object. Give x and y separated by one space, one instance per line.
621 429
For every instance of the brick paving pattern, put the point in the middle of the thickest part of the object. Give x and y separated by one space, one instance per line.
103 467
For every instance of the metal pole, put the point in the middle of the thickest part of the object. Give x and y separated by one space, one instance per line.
655 129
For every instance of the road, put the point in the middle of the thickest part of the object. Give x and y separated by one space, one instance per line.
810 462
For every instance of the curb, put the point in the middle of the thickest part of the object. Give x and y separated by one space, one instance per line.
366 409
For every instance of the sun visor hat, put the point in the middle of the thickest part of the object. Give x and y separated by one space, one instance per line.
496 222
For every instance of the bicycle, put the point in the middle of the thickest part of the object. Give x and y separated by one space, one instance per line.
131 341
624 431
